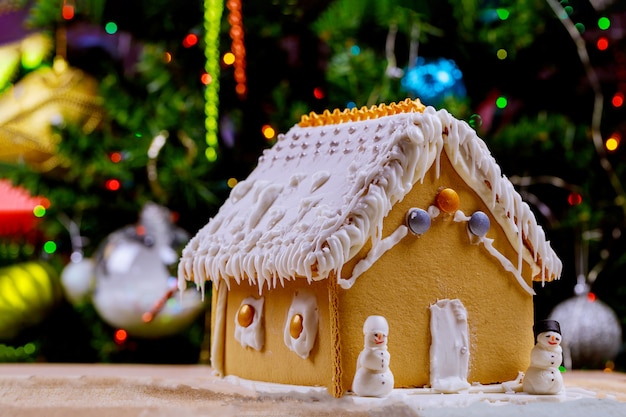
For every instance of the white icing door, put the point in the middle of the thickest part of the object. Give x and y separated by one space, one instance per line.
449 349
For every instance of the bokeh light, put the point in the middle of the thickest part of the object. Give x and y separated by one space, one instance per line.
211 154
39 211
604 23
318 93
501 54
228 58
574 199
503 14
167 57
232 182
612 142
603 43
206 78
67 12
501 102
475 121
355 49
618 99
49 247
580 27
115 157
110 28
268 132
190 40
112 184
120 336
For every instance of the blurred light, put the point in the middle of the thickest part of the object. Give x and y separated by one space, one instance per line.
268 132
147 317
351 105
241 89
115 157
206 79
503 14
433 80
602 43
612 143
211 154
49 247
355 50
318 93
228 58
29 348
475 121
618 99
231 182
574 199
112 184
45 202
120 336
501 54
580 27
110 28
39 211
167 57
67 12
501 102
190 40
569 10
604 23
591 297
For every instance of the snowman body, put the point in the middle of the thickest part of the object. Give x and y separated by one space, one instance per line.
373 378
543 375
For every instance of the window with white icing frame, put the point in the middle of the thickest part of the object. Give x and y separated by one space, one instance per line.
249 328
301 323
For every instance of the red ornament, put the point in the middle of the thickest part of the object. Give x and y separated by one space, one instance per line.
16 209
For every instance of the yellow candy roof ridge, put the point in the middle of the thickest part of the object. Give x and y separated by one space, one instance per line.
364 113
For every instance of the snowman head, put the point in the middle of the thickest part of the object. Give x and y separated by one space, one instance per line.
548 333
375 331
549 340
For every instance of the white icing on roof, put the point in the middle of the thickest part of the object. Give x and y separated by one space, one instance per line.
320 193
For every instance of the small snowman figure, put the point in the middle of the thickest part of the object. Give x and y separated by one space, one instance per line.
373 377
543 375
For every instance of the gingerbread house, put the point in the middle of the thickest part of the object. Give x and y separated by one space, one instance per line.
396 210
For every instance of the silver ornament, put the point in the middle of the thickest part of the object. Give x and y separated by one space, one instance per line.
135 283
592 334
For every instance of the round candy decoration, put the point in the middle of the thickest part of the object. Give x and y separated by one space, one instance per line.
479 224
448 200
245 315
418 220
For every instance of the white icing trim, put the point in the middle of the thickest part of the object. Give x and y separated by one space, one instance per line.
349 177
488 243
378 249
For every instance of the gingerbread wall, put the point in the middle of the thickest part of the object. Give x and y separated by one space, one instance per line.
275 362
440 264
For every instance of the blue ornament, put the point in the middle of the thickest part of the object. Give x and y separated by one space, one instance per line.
479 224
418 221
433 80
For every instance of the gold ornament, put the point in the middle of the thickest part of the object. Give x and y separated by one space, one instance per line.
40 100
295 326
245 315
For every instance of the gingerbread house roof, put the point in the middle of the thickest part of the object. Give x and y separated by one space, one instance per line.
322 191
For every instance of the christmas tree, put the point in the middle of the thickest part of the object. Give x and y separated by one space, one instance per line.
177 100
